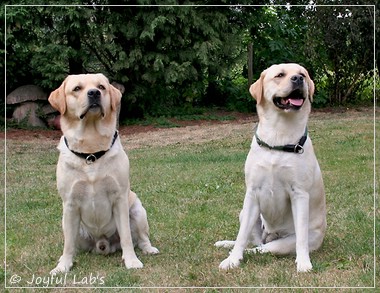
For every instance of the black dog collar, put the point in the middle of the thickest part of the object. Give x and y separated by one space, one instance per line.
91 158
290 148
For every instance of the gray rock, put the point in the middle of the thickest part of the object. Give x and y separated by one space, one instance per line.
28 113
26 93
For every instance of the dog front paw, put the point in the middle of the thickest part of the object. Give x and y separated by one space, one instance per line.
303 265
64 266
229 263
133 263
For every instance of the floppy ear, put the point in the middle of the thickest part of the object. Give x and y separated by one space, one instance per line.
57 99
115 95
310 84
256 89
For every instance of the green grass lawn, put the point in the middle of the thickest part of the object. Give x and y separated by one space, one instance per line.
193 193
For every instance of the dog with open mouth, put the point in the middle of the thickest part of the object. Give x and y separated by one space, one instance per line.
284 209
100 212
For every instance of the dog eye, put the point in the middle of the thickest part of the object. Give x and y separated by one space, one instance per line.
77 88
280 75
101 87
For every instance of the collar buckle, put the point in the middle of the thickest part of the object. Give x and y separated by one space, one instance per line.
298 149
91 158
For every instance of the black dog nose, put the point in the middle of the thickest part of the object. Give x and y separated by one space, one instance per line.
297 79
93 93
93 96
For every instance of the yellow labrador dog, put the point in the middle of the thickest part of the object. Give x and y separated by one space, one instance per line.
100 212
284 207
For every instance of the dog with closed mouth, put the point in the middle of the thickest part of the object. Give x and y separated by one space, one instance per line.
284 209
100 212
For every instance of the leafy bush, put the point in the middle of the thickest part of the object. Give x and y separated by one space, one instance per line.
234 94
185 56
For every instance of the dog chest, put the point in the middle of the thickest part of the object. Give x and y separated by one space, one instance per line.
95 201
273 179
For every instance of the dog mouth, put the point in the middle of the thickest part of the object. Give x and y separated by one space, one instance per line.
94 107
294 100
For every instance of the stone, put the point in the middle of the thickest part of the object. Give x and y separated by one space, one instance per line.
28 113
26 93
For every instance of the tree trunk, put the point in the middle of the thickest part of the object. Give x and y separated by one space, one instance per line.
250 64
74 42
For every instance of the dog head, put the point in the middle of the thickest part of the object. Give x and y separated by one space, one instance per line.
89 106
286 86
85 96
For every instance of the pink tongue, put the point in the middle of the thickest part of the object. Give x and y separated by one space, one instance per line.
296 102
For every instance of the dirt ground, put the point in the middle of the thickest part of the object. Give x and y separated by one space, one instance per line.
149 135
198 131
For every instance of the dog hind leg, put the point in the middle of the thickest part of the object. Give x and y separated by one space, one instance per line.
140 228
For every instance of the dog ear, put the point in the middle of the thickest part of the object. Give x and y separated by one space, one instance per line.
310 84
57 99
115 95
256 89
